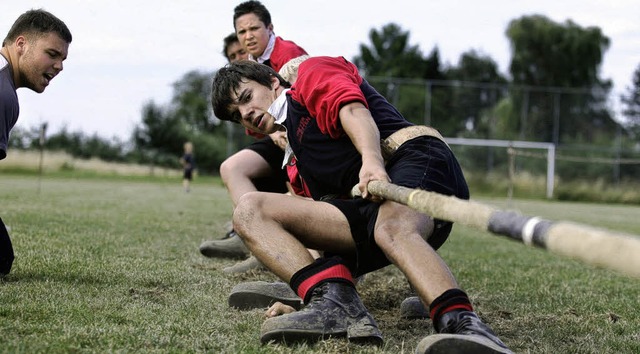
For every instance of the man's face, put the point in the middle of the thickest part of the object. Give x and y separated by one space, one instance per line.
41 60
252 102
236 52
252 34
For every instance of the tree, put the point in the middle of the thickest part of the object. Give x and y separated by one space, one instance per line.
190 102
417 85
23 138
188 117
390 54
161 135
631 103
566 57
480 88
390 58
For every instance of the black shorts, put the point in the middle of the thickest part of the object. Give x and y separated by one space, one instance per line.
426 163
187 174
274 155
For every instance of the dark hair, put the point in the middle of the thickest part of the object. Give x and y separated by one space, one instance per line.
227 81
228 41
252 7
37 22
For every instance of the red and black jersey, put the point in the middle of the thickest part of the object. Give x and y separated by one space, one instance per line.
283 51
327 160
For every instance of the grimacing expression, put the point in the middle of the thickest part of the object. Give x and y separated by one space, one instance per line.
236 52
252 102
253 34
41 59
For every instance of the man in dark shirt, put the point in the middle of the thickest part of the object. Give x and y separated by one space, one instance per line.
32 55
335 122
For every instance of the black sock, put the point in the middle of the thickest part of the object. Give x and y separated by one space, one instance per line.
450 300
317 273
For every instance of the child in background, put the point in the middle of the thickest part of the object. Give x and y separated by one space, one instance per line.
188 165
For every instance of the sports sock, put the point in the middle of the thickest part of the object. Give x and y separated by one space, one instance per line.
319 272
450 300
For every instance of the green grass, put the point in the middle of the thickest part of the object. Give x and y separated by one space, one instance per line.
112 265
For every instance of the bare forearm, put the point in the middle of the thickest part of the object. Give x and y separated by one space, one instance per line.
359 125
357 122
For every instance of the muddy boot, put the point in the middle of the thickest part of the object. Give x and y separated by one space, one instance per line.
261 294
462 332
231 247
412 308
334 310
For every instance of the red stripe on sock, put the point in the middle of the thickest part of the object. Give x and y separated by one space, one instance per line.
465 307
337 271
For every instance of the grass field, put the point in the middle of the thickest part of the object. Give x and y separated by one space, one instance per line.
112 265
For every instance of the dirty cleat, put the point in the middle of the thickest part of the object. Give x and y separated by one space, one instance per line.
334 310
261 294
462 332
412 308
244 266
231 247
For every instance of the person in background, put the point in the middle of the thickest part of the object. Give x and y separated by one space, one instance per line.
32 56
232 50
188 162
259 165
255 31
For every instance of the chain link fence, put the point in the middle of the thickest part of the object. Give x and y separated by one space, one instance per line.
590 142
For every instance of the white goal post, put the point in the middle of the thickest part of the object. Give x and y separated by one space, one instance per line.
550 147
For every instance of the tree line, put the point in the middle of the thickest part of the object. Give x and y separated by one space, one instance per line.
553 75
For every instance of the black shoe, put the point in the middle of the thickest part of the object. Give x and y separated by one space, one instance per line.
412 308
230 247
462 332
251 263
260 294
334 310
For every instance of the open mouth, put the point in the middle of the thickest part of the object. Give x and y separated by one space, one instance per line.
252 45
258 121
48 77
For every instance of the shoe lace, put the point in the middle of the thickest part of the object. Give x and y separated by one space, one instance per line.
472 325
465 326
317 294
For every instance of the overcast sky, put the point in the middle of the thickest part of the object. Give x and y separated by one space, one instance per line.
127 52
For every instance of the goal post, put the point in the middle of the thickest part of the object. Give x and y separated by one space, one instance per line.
550 147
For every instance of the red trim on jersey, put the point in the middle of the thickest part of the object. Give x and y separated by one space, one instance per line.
297 183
